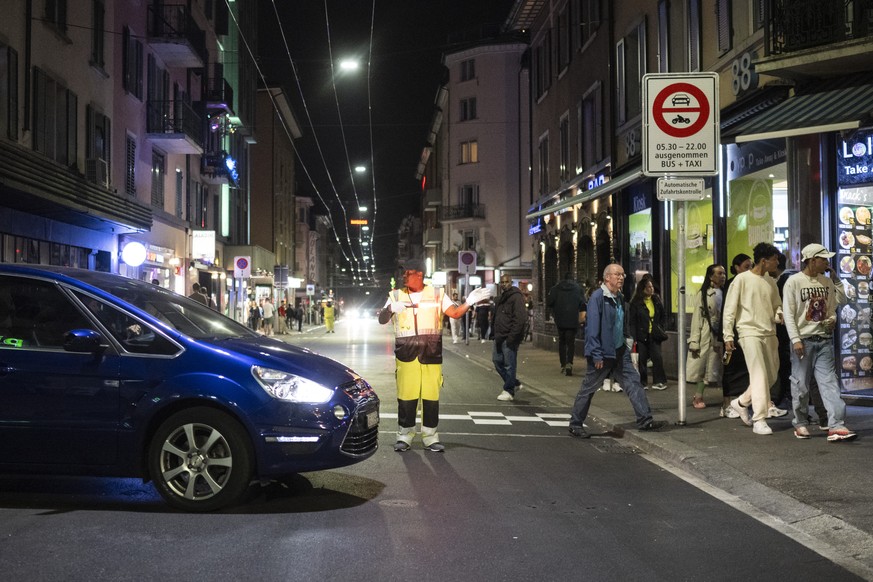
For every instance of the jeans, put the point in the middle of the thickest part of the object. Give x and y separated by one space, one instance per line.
818 360
624 374
566 344
505 359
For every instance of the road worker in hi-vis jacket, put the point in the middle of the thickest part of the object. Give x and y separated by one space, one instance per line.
417 311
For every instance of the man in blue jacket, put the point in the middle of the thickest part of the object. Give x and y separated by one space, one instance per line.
606 351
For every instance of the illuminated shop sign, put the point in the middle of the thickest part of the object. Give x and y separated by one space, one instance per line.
535 227
597 180
855 159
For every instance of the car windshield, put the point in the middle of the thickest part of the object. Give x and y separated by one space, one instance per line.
176 311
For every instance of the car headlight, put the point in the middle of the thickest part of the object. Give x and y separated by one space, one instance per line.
290 387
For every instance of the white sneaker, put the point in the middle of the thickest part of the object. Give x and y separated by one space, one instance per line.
742 412
616 387
774 412
659 386
761 427
607 385
505 396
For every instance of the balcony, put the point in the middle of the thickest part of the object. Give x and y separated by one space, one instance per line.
433 198
175 127
174 36
219 168
466 213
433 237
818 38
219 93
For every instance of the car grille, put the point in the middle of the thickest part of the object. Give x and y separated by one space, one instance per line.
361 440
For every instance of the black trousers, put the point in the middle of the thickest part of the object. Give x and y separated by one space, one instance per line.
566 344
651 350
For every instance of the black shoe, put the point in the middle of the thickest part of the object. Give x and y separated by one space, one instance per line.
578 432
654 425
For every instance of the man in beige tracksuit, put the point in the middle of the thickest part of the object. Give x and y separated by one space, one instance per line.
753 306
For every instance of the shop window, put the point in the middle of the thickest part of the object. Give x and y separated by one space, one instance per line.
586 267
565 258
550 268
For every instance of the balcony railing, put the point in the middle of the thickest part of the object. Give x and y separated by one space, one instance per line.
175 37
219 93
177 125
801 24
462 212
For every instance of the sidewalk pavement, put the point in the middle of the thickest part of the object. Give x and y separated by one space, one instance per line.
817 492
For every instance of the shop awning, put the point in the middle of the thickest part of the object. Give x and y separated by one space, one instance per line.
614 184
830 106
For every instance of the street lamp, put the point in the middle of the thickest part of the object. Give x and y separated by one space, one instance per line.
349 65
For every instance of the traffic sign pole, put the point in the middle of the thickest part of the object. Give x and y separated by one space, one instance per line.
680 139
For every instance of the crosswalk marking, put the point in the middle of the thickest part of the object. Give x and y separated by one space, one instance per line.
482 417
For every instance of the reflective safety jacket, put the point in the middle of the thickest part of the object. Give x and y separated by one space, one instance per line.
418 329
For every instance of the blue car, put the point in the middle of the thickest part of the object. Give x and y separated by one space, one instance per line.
105 375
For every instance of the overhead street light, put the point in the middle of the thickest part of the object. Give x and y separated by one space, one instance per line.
349 64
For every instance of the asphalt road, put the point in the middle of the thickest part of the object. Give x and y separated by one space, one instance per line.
512 498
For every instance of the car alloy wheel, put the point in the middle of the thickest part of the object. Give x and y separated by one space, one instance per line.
200 460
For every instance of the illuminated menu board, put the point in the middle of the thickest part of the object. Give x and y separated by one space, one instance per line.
855 263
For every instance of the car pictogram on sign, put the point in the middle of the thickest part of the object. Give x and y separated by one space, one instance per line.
681 99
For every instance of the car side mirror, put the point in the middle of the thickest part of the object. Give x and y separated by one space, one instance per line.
85 341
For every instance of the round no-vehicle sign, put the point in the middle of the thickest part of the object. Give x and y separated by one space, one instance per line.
680 124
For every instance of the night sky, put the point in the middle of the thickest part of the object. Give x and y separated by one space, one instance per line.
409 37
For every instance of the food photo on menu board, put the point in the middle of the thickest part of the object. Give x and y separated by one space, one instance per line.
855 263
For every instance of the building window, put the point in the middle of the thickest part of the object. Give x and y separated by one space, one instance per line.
563 40
468 109
587 15
8 92
468 195
98 34
131 63
564 147
200 204
758 14
693 35
56 14
159 171
130 166
468 70
590 128
470 152
98 134
663 37
469 240
54 119
543 165
723 25
630 68
543 65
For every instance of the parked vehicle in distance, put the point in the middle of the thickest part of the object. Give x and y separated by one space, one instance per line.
109 376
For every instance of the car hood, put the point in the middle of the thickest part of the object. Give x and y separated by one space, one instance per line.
276 354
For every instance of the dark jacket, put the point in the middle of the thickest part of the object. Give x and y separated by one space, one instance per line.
510 316
599 332
566 302
638 324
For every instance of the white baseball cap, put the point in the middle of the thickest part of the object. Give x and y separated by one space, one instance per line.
814 250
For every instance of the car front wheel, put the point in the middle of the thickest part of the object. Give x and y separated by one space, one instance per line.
200 460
